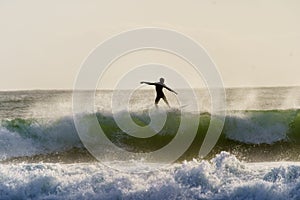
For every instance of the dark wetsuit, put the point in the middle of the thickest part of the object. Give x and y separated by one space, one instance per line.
159 93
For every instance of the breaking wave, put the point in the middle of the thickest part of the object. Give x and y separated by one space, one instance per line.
27 137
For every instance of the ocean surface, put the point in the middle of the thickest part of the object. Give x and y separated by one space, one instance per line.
256 157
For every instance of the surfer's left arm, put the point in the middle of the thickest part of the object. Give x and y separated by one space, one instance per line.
169 89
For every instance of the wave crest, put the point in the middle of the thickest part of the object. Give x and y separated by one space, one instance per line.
27 137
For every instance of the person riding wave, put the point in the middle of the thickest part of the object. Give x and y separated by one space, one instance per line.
159 90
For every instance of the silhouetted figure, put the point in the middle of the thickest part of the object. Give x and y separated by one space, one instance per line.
159 90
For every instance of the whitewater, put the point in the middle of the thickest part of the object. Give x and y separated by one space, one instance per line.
256 157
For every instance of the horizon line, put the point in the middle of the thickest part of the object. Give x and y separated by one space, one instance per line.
110 89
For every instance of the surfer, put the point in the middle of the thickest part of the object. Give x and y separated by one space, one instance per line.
159 90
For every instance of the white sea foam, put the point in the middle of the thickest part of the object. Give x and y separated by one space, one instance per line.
224 177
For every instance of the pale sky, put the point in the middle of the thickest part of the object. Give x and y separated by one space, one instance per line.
253 43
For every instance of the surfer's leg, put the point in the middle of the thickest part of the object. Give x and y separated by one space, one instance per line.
156 101
166 101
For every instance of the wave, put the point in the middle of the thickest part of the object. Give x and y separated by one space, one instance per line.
244 129
223 177
256 127
27 137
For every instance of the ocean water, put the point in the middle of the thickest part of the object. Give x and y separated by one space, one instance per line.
256 157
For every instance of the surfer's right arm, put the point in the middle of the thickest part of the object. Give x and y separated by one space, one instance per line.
170 89
149 83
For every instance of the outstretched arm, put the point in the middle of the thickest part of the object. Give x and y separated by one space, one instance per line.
149 83
169 89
